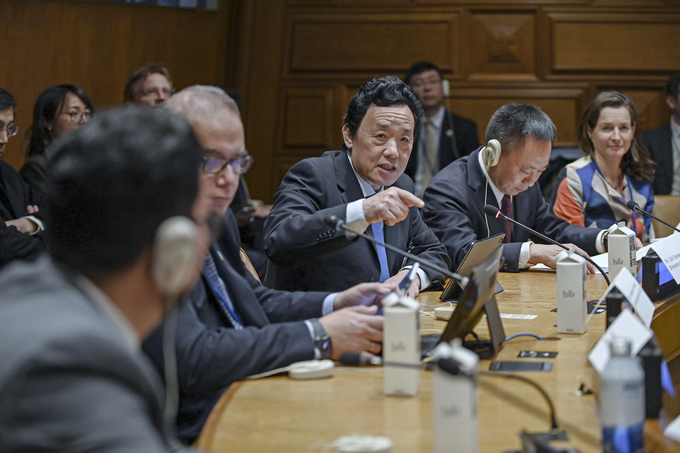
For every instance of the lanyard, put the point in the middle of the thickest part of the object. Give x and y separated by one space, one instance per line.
227 305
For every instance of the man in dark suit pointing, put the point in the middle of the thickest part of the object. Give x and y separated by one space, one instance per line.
364 185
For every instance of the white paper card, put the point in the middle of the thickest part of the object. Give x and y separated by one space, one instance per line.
626 325
668 250
633 292
602 260
672 431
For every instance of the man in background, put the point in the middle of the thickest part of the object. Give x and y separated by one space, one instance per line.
20 224
150 85
663 144
72 375
444 136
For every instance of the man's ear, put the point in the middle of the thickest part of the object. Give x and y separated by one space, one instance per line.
347 136
671 101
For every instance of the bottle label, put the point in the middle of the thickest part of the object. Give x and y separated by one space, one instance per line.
623 439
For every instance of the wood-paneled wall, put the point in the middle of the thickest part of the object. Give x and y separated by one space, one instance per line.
97 46
297 63
302 60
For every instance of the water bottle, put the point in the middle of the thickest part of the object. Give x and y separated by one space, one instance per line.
622 401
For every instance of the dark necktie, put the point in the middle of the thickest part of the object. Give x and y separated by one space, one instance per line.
221 290
506 209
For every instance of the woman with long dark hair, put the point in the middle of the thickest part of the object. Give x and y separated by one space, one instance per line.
58 110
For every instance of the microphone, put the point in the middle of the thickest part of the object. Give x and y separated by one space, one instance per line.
636 207
493 211
352 359
338 224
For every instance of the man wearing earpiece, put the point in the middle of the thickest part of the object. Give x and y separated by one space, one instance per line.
72 375
232 326
504 174
444 136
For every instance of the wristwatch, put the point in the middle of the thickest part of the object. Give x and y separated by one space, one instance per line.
322 341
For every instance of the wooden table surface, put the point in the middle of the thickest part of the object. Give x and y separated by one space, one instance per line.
283 415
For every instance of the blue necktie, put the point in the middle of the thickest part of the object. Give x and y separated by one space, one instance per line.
382 254
221 290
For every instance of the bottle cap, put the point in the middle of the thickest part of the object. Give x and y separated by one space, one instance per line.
620 347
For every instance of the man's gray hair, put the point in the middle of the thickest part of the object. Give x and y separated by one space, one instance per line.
513 123
201 101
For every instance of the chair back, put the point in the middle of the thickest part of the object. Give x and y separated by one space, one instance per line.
667 208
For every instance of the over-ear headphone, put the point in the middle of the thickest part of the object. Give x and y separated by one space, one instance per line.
175 255
492 153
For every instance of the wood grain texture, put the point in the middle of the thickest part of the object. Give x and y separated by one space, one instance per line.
280 414
98 45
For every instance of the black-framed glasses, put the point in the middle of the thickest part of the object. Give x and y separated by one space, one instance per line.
239 165
11 130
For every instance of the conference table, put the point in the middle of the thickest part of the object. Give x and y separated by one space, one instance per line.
279 414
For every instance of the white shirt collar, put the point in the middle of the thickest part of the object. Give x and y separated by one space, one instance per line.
436 119
675 129
366 188
497 193
110 310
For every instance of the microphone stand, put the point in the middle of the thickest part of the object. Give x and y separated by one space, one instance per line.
636 207
493 211
340 224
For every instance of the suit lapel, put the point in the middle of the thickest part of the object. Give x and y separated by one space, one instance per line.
350 191
242 296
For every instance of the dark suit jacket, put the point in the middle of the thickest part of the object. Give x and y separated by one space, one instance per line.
659 143
454 208
18 194
69 379
211 354
464 130
310 254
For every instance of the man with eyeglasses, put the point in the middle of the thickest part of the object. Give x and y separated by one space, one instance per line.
19 238
232 326
150 85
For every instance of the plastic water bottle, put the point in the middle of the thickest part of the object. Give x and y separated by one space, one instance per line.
622 401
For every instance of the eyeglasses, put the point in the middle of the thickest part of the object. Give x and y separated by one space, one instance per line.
214 165
155 93
11 130
78 117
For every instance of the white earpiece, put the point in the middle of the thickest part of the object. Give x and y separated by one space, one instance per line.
446 89
174 255
492 153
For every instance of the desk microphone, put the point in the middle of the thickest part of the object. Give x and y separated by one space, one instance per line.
636 207
338 224
493 211
352 359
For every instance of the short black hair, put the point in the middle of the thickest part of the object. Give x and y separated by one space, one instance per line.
7 100
672 85
513 123
418 68
45 112
113 181
382 92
